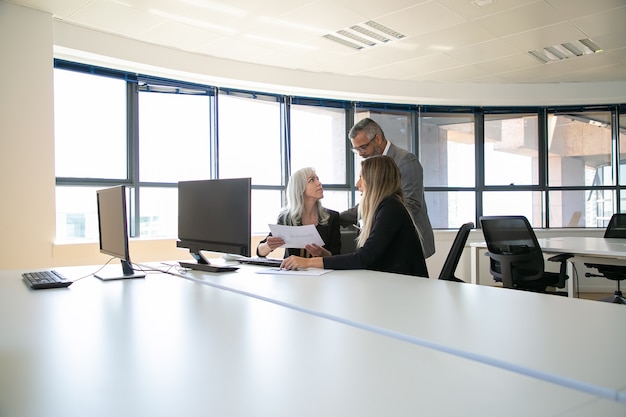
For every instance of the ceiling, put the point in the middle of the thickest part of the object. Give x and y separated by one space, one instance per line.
479 41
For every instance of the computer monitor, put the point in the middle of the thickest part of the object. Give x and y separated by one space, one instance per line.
214 215
113 232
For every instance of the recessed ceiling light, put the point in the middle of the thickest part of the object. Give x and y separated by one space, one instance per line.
370 33
358 36
343 41
384 29
565 50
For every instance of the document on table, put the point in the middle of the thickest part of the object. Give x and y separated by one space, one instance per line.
296 236
308 271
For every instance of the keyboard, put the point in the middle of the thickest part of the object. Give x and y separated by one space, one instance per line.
207 267
45 279
261 261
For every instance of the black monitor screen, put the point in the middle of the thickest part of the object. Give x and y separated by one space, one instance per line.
113 230
214 215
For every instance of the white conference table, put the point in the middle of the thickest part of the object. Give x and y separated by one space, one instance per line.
164 346
571 342
585 249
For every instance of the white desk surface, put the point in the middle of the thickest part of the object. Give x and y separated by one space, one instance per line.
572 342
163 346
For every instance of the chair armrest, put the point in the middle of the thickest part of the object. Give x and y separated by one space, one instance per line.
562 257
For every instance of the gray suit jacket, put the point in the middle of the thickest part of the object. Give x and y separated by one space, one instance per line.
412 176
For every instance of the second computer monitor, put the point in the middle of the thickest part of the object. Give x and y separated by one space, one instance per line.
214 215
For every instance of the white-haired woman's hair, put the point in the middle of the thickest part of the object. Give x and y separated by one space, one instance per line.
292 212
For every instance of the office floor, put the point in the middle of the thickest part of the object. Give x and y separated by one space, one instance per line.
594 295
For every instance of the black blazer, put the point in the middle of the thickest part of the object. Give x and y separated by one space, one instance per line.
392 246
329 233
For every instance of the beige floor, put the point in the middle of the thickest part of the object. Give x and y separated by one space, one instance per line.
594 295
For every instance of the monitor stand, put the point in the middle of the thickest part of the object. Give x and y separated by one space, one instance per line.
127 273
203 264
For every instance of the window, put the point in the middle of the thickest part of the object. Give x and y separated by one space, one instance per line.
174 137
447 145
558 166
89 126
511 150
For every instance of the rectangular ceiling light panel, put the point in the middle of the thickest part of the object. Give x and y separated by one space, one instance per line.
565 50
364 35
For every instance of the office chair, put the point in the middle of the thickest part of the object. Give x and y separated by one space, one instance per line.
452 261
615 229
349 236
516 259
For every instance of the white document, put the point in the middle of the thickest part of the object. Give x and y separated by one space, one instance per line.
296 236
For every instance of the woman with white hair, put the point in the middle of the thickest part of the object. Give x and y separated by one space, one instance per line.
388 241
304 192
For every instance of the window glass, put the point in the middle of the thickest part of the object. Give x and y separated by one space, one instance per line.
447 150
395 125
511 150
266 205
249 139
318 140
89 126
336 200
450 209
581 208
174 137
76 213
579 149
158 212
519 203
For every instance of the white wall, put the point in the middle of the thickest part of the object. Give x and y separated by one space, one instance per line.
27 41
27 219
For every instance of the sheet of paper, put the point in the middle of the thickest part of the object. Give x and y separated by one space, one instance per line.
308 271
296 236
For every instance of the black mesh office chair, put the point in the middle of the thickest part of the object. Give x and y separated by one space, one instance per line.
615 229
454 256
516 259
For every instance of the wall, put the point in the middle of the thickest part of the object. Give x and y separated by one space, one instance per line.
30 39
27 211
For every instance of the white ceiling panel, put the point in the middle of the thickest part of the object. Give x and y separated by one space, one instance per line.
545 36
417 20
444 40
485 51
602 23
115 18
573 9
529 17
510 63
467 9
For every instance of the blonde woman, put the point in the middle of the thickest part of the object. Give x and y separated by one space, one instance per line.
388 241
304 192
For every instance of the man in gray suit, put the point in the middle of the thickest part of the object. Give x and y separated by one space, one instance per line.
368 139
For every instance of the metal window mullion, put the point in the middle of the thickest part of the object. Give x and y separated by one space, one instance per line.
351 181
213 138
132 151
542 149
479 155
285 143
615 148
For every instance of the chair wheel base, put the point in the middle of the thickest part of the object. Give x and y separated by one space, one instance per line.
616 298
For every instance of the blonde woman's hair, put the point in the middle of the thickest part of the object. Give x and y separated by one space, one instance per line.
292 212
382 179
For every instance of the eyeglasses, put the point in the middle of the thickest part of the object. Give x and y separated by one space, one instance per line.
362 148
